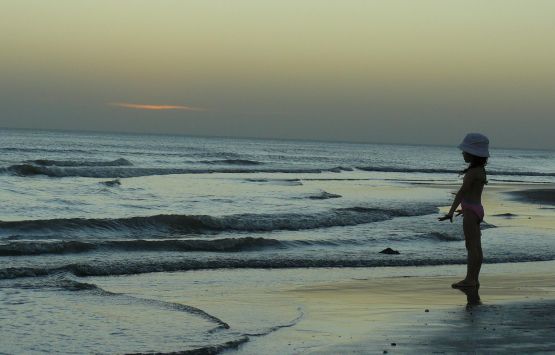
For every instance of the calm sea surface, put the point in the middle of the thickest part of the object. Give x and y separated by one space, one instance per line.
82 205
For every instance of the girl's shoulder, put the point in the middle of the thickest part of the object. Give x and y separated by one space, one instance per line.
477 173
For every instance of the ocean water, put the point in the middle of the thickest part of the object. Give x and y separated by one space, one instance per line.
76 206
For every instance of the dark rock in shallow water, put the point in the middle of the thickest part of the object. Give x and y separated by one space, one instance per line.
506 215
324 196
115 182
389 251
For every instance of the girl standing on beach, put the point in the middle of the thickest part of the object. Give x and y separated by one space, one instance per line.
475 150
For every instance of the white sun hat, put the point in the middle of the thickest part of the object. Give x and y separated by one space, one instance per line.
476 144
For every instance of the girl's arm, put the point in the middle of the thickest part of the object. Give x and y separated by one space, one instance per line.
459 196
456 202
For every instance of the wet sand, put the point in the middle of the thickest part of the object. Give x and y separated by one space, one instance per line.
536 196
515 312
366 310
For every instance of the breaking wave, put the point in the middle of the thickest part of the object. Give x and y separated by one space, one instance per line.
75 163
127 267
167 225
232 162
220 245
72 246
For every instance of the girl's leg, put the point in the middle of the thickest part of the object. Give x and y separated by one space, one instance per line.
473 240
472 236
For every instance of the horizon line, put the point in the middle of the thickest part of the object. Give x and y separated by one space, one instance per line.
316 140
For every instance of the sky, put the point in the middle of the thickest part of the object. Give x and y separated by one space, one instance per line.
391 71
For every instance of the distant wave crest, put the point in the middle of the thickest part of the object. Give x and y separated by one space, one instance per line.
108 171
391 169
122 168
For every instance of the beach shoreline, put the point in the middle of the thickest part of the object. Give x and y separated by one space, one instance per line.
364 310
416 312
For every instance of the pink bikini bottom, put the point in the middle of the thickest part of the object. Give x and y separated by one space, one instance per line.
475 208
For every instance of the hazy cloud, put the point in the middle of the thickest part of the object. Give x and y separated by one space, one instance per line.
154 107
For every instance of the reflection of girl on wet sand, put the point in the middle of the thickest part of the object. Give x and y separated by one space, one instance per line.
475 152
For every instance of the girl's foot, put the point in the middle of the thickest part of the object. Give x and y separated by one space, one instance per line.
465 283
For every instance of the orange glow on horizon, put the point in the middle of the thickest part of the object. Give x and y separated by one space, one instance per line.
152 107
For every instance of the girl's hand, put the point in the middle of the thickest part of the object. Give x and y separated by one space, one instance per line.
446 217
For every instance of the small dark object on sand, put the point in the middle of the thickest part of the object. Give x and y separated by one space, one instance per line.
393 344
389 251
426 310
